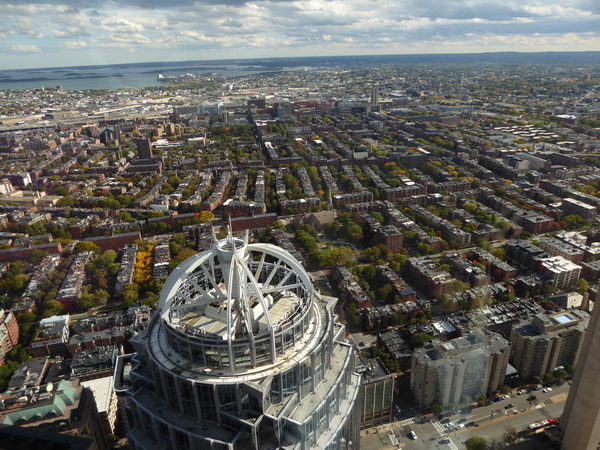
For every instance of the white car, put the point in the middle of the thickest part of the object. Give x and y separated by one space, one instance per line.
412 435
548 389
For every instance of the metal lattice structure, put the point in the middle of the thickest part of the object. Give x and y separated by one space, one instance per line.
243 353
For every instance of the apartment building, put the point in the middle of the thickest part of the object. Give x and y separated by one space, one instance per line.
454 372
548 341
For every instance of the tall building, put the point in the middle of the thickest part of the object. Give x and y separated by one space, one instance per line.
377 392
144 147
580 421
541 345
455 372
243 353
374 96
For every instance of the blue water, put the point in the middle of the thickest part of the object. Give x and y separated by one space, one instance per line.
138 75
114 76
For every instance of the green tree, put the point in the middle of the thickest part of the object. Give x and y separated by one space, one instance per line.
66 201
437 409
573 222
151 299
561 374
378 216
52 308
101 297
181 256
26 321
581 286
419 339
37 256
352 311
130 294
384 292
85 302
476 443
461 286
105 259
87 246
15 284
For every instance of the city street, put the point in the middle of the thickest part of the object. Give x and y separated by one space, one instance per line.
432 434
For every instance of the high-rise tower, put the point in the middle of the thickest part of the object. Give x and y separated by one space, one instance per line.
144 147
374 96
243 353
580 421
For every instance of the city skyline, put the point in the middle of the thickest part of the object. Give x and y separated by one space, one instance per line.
54 33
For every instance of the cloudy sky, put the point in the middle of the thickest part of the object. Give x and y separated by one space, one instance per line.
50 33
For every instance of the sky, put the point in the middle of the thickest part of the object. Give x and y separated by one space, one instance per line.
54 33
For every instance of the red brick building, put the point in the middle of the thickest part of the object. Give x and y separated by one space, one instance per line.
24 253
9 333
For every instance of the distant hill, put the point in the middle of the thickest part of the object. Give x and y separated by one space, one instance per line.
553 58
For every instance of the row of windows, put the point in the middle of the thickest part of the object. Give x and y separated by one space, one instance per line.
218 355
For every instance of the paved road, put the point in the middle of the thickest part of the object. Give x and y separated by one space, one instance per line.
431 434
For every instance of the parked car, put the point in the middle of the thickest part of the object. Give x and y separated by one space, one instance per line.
412 435
552 421
548 389
522 391
510 405
460 426
531 398
537 387
498 399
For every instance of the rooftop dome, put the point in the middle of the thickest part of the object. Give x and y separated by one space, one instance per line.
226 307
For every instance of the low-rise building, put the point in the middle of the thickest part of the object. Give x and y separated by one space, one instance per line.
65 407
571 206
560 271
51 336
430 277
555 247
94 362
127 269
72 285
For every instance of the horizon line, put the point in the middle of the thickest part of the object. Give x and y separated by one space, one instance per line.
309 56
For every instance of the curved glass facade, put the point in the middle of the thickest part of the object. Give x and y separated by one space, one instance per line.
243 353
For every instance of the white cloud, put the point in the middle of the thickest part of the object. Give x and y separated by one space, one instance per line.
76 44
25 49
196 29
